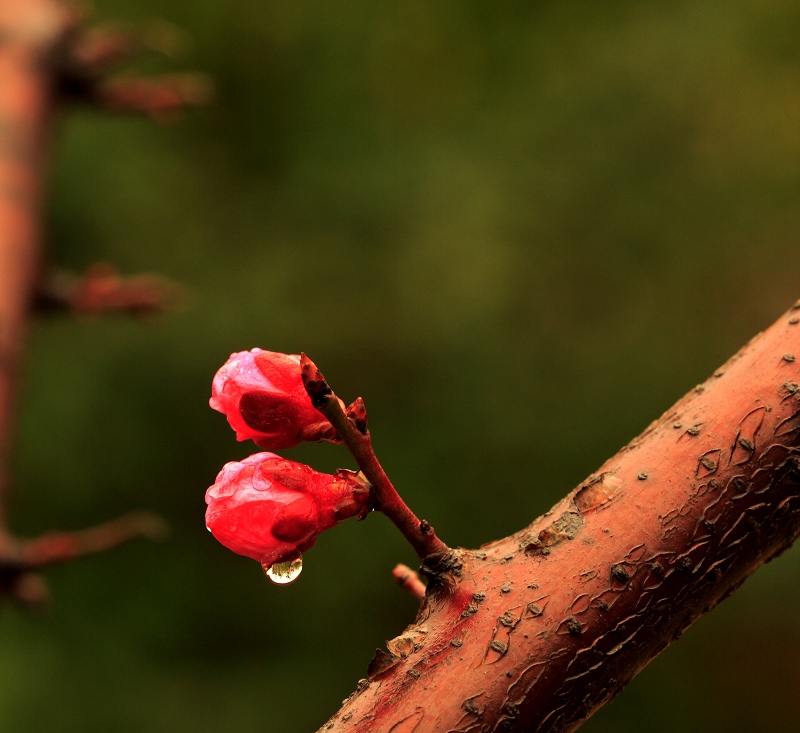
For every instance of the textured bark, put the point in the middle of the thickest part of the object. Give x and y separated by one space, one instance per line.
536 631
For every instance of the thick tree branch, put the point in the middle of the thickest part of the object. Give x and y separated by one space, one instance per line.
45 54
30 31
537 631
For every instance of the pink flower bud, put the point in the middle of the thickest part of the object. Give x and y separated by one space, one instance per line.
272 509
262 395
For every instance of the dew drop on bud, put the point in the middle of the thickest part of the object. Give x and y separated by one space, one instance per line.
283 573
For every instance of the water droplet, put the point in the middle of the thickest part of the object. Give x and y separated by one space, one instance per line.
284 572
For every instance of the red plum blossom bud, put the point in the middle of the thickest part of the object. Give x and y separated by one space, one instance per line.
272 509
262 395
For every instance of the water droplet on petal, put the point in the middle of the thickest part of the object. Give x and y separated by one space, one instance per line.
284 572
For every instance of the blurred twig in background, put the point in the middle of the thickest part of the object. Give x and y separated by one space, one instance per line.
49 56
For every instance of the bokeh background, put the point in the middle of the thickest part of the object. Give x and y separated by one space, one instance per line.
520 230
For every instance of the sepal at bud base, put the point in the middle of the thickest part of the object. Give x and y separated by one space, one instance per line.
272 509
262 395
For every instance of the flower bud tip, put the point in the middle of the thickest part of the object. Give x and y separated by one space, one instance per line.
314 382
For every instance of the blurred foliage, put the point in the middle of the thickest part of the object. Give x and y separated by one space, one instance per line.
520 230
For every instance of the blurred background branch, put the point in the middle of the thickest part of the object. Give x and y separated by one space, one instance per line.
46 54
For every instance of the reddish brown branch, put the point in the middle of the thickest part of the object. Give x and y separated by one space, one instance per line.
536 631
409 581
45 51
352 429
162 97
87 58
20 559
30 29
103 290
59 547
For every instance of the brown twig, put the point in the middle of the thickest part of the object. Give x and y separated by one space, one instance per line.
356 437
21 559
59 547
409 581
161 97
45 51
87 58
103 290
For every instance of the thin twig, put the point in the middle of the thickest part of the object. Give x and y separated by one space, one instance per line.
58 547
103 290
22 559
419 533
88 58
409 581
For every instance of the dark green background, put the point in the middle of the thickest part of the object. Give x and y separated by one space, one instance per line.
520 230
